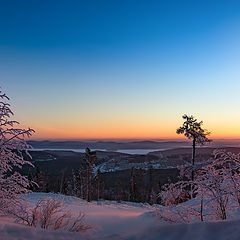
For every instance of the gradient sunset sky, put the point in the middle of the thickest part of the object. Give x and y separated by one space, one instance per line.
121 69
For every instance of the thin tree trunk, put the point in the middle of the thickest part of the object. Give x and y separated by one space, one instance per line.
98 189
193 157
61 183
193 162
88 185
201 211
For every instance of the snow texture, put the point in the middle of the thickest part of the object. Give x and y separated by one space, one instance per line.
118 221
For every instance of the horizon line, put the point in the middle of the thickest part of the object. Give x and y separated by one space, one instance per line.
125 139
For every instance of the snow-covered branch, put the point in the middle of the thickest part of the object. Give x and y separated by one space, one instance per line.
12 147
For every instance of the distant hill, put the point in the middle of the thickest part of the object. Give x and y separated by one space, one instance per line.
108 145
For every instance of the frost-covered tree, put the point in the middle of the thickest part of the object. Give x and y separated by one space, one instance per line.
220 182
174 193
216 187
228 165
12 148
193 130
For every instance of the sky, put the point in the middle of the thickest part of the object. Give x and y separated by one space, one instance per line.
121 69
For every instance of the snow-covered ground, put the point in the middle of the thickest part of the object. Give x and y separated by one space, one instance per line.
114 165
110 220
118 221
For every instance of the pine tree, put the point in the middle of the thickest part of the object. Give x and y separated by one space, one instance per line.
99 185
120 191
193 130
62 182
150 184
31 180
133 186
90 158
41 181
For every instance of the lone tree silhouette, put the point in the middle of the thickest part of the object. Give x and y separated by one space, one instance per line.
193 130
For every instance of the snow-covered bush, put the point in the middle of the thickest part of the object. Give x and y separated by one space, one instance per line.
216 191
48 213
229 163
12 146
214 188
174 193
179 214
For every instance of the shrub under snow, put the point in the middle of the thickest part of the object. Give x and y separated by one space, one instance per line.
48 213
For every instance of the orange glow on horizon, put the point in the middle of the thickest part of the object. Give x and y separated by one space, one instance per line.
123 133
126 129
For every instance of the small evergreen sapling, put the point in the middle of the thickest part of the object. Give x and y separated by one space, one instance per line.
193 130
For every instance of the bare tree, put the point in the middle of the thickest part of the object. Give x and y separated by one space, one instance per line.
48 213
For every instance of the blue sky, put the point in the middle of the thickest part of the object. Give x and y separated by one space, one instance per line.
109 69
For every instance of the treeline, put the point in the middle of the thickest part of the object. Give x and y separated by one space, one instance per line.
136 185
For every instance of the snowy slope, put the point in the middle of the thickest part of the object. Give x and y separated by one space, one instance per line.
115 221
107 217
